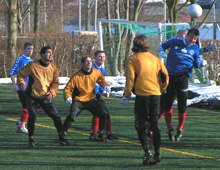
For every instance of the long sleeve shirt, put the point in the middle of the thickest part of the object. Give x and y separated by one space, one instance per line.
143 72
20 63
43 78
85 82
182 57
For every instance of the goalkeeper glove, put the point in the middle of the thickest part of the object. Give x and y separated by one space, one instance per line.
107 89
69 100
163 54
125 100
210 47
203 63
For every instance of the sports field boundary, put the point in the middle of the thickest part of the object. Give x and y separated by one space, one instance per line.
125 141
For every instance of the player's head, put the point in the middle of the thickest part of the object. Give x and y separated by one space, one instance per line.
28 49
46 54
86 63
182 33
192 36
99 57
140 44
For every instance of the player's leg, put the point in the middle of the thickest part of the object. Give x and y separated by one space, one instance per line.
182 95
141 109
51 110
153 117
31 104
97 108
169 99
24 115
94 128
75 109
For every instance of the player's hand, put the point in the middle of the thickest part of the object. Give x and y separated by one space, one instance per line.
210 47
15 87
69 100
203 63
107 89
125 100
49 97
163 54
107 94
23 86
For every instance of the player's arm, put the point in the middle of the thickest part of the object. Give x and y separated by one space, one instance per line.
55 84
130 76
163 46
164 77
198 62
13 80
13 74
103 84
24 72
210 47
68 89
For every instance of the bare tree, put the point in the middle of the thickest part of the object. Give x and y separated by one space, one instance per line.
12 29
36 15
23 11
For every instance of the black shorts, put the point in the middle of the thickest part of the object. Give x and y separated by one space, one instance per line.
178 87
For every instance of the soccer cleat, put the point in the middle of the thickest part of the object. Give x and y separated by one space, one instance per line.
93 137
22 130
18 123
170 135
103 138
31 144
178 135
112 137
155 160
147 158
62 141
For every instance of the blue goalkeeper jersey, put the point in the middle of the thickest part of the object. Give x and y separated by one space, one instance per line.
101 68
182 57
20 63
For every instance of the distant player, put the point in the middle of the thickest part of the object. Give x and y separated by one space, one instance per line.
182 57
98 64
80 93
146 76
41 89
20 63
182 34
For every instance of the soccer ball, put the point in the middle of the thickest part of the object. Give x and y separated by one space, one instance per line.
195 10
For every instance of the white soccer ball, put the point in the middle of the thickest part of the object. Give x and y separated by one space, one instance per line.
195 10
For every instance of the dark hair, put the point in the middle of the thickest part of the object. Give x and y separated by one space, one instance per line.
28 44
97 52
84 58
140 44
194 31
44 49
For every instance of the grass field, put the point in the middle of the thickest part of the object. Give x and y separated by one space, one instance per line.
198 149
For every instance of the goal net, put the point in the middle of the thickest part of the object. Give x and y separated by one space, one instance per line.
116 37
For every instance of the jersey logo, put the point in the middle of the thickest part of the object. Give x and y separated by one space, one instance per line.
192 52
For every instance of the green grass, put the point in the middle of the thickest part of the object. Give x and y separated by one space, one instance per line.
198 149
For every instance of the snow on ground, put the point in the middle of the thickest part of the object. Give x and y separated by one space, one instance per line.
118 83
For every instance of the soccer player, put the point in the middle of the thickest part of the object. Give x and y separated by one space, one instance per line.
182 34
19 63
146 76
98 64
84 98
182 57
41 89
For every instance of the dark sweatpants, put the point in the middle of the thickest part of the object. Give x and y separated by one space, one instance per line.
147 111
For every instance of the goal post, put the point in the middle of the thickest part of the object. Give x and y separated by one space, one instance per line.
116 38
